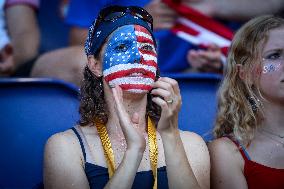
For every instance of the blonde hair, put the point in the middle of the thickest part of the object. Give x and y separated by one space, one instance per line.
235 115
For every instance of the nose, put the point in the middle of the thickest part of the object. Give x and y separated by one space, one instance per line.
136 56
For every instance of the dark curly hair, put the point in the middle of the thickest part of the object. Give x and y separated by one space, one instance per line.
93 105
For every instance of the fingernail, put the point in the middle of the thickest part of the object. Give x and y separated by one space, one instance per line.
111 85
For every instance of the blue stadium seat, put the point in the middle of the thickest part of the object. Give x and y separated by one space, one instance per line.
198 102
31 110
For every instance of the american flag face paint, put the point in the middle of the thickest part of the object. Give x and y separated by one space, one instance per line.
130 59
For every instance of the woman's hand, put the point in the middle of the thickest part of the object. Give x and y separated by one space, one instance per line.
169 99
209 60
134 139
164 17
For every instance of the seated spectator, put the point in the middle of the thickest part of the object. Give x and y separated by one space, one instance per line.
65 63
128 134
210 60
249 149
174 53
23 32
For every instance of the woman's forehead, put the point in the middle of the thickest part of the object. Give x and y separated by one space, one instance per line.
274 39
128 32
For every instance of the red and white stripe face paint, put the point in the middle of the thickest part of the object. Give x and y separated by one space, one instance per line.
130 59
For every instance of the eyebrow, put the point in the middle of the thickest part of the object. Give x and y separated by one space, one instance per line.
273 50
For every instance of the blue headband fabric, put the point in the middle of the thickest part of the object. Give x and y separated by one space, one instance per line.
97 36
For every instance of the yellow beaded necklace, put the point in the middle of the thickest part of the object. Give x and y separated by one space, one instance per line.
108 152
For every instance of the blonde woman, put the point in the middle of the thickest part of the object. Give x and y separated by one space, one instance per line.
249 149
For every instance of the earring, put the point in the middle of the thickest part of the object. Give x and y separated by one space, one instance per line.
253 103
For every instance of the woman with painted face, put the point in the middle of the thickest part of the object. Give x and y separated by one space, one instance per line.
128 134
249 149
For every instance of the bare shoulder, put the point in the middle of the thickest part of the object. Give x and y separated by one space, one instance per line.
198 157
64 144
63 162
61 139
224 148
226 164
193 141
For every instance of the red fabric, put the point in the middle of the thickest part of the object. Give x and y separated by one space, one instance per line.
259 176
201 19
199 29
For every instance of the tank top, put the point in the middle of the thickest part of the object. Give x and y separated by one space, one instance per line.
259 176
98 175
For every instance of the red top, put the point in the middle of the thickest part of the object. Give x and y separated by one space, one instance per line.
259 176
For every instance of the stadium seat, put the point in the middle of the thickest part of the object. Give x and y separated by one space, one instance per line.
198 102
31 110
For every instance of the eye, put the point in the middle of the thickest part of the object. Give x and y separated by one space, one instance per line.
121 48
147 47
273 56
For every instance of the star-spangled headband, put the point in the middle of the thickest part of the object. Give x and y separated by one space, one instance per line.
98 34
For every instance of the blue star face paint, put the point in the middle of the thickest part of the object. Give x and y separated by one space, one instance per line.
272 61
130 59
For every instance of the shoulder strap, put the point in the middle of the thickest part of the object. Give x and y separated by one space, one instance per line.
241 148
81 142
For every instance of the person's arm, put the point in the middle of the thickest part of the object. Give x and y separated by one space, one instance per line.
64 163
226 165
63 167
236 9
163 16
23 30
187 158
179 170
206 60
6 50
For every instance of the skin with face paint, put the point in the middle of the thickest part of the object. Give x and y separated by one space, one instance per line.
130 59
127 66
272 77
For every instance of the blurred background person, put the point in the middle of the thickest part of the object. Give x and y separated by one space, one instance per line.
19 19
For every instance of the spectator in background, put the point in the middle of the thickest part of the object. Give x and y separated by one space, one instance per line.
21 49
6 57
210 60
184 55
249 149
174 53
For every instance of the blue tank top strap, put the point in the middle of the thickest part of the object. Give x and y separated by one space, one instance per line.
81 142
240 147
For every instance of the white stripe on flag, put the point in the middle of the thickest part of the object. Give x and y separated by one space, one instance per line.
128 66
132 80
137 90
148 57
205 36
143 34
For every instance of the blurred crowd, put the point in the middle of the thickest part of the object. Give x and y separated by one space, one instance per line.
188 40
